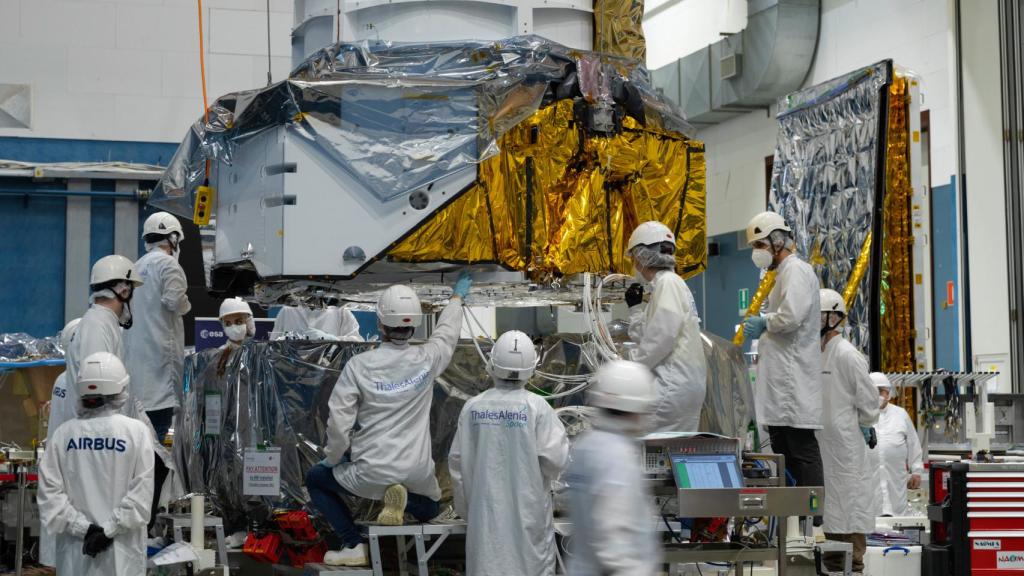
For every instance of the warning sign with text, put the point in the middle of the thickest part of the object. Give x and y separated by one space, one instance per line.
262 472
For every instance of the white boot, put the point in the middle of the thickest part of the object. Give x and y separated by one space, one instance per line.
348 557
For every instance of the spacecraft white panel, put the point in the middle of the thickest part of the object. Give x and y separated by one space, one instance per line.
300 214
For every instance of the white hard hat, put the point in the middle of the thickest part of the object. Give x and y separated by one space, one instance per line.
648 233
102 374
881 380
623 385
68 333
234 306
763 224
162 223
399 306
113 267
238 306
513 357
832 301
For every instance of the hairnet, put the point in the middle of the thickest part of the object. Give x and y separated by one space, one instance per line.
653 257
398 333
111 404
108 292
105 293
508 384
150 246
780 239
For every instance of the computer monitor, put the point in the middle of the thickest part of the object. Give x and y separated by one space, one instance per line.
706 471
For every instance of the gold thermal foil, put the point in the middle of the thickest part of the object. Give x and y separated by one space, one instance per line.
556 201
618 28
763 290
857 274
897 307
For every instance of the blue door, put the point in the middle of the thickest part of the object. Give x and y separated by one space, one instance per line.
945 277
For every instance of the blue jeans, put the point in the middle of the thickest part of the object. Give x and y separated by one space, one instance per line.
326 495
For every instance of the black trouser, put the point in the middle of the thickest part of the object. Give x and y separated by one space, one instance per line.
803 457
161 420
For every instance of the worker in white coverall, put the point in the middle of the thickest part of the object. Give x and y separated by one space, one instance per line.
899 451
96 479
388 391
614 521
508 449
236 318
113 283
850 407
61 410
238 324
787 396
666 330
155 346
327 323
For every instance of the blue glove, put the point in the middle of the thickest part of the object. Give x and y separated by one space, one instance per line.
754 326
325 463
462 285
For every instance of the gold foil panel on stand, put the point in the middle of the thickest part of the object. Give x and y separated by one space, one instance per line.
618 28
557 201
763 290
859 269
897 308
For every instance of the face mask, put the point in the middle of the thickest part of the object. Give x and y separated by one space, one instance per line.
882 402
638 276
825 326
236 333
761 258
125 319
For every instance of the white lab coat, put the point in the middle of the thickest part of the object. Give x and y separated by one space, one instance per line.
508 449
99 331
155 344
332 320
388 391
614 521
60 412
850 400
900 451
667 333
60 409
788 391
110 486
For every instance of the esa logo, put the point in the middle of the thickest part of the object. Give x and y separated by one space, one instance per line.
60 392
204 334
113 444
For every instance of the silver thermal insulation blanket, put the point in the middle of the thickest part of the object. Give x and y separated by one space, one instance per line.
828 180
276 394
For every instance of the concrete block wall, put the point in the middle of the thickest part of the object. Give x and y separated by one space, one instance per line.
129 69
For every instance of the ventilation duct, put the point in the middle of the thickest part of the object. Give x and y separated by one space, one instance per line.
748 70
